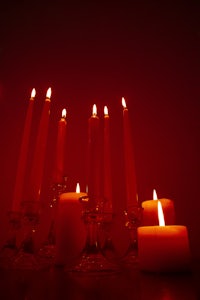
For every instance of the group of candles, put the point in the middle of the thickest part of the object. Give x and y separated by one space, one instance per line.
160 247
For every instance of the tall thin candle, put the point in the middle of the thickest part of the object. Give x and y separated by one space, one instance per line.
20 176
60 149
130 176
93 158
39 153
107 162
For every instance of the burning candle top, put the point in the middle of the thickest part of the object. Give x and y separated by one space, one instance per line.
36 174
60 149
150 212
93 160
21 168
107 176
130 173
163 248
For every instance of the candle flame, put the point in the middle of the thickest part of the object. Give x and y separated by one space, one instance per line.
155 197
33 93
123 102
48 94
64 113
161 218
94 110
78 188
105 111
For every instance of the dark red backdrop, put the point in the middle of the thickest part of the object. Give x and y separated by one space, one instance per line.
96 53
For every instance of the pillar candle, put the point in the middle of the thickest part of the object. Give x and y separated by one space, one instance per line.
36 174
93 167
163 248
107 163
60 149
70 229
21 166
150 213
130 174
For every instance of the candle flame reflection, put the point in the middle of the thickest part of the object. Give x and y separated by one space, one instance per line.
48 94
105 110
155 197
161 218
78 188
33 93
64 113
94 110
123 102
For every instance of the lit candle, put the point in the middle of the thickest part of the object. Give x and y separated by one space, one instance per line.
21 168
60 149
150 213
163 248
107 163
130 176
39 153
70 228
93 158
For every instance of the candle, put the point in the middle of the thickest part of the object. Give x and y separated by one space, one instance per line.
163 248
21 168
150 213
70 228
107 163
130 176
39 153
60 149
93 167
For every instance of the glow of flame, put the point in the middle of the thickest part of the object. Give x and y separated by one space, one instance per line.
161 218
94 110
48 94
77 188
123 102
105 111
155 197
33 93
64 113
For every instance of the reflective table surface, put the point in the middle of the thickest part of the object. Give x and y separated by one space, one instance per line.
128 284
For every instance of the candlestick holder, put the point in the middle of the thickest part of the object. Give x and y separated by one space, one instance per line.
47 251
26 257
9 249
133 217
92 259
107 246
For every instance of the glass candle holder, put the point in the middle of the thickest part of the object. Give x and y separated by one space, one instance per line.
133 217
26 257
46 252
10 247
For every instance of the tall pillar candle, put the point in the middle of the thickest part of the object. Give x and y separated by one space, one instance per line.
70 229
36 175
163 248
60 149
150 211
21 166
107 163
130 173
93 167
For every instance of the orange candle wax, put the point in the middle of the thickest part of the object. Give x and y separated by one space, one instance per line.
70 229
163 248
